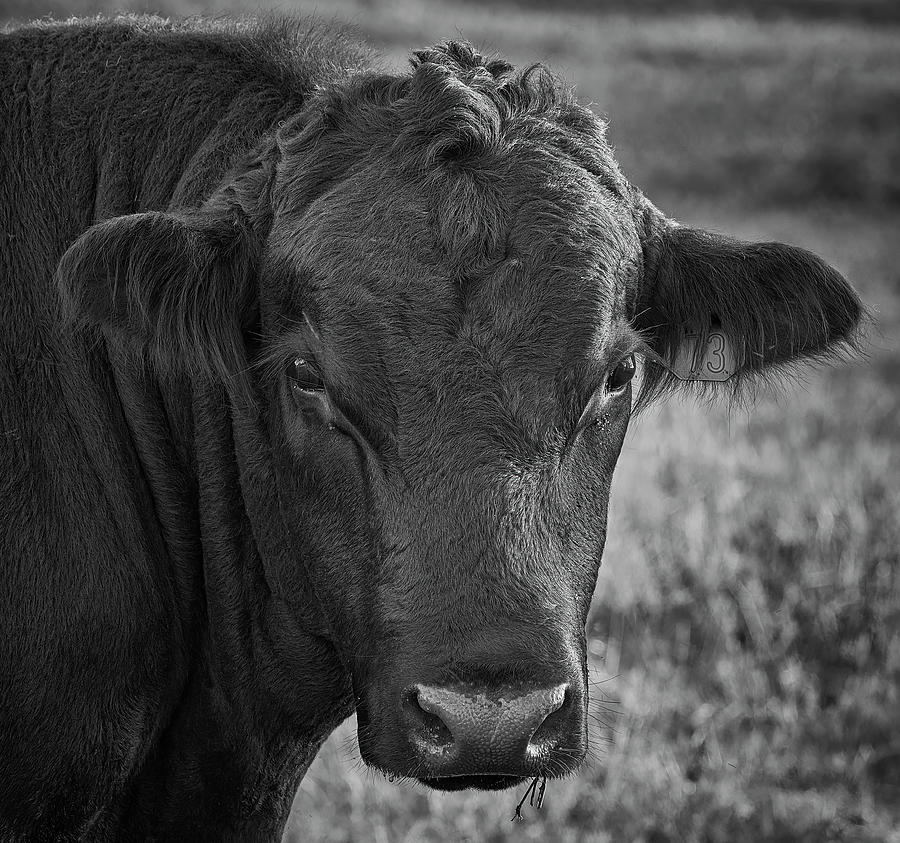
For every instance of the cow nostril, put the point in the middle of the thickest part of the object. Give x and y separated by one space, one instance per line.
429 726
550 732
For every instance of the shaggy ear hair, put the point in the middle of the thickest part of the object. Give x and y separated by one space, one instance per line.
775 304
182 286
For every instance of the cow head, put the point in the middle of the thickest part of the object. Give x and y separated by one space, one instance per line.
452 280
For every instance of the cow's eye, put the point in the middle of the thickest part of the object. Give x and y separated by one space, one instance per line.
621 375
303 376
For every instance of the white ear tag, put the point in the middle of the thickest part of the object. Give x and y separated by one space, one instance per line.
716 361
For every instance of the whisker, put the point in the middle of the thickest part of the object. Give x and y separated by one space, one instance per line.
534 793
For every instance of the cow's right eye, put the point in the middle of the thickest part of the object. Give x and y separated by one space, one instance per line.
622 374
303 376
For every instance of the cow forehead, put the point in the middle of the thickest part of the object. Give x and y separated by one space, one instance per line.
532 232
415 298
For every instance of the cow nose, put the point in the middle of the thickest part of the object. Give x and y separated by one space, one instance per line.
472 731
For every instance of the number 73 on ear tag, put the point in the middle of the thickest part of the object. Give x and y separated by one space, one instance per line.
713 361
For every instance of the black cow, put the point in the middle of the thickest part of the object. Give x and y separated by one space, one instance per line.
312 382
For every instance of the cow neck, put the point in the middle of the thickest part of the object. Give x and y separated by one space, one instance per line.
256 628
263 691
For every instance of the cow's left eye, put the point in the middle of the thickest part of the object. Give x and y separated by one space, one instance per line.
303 376
621 375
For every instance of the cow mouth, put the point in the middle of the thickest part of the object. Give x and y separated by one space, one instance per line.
482 782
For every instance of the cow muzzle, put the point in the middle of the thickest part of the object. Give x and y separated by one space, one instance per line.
469 736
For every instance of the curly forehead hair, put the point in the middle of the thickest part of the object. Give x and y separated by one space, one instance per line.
451 120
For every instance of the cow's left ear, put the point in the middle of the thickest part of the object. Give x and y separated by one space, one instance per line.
717 309
181 286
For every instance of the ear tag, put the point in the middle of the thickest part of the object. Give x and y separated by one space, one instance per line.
714 361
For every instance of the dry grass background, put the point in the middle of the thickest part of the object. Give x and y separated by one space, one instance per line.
745 632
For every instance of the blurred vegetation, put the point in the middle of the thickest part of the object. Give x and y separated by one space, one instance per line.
745 633
871 11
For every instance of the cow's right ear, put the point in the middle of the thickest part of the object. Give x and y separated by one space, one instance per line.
181 286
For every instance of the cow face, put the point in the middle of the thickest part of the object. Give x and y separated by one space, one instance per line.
471 398
452 279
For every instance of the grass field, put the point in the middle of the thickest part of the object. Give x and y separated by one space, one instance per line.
745 632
